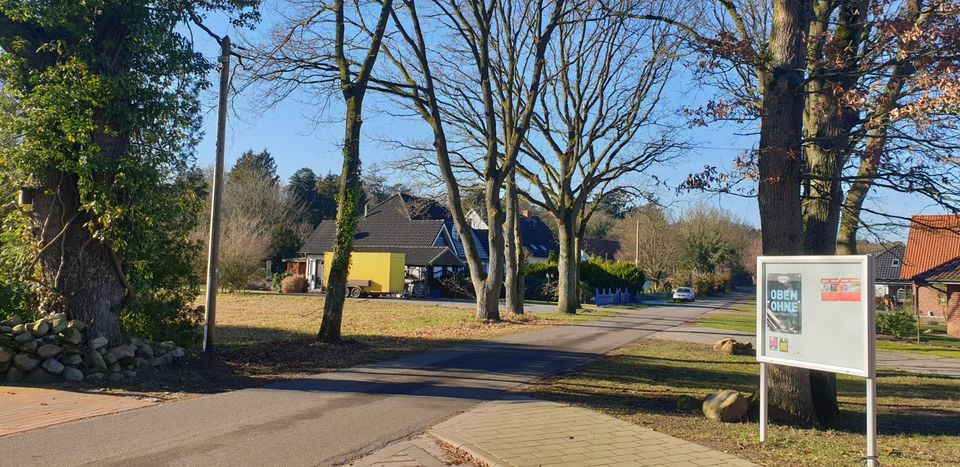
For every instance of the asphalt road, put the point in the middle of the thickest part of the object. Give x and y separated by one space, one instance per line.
334 417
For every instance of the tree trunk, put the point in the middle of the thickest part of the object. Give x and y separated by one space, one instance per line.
348 212
779 170
82 271
567 266
512 278
488 307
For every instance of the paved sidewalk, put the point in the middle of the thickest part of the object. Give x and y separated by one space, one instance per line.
421 451
886 359
522 431
28 408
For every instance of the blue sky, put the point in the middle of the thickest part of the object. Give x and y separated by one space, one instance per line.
292 134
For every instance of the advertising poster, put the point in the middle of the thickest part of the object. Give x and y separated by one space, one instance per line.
840 289
783 307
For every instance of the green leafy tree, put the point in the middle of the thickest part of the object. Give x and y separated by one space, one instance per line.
105 119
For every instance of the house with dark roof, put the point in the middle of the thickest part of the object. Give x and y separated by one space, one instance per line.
931 262
537 238
886 265
423 230
416 227
600 248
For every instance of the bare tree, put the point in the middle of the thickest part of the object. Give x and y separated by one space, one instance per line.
649 230
488 57
301 54
597 122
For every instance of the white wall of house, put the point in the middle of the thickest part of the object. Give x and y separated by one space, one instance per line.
315 272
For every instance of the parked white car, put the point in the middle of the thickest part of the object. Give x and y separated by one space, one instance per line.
683 294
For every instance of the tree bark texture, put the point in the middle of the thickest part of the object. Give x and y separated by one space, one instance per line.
348 213
513 277
82 271
779 171
567 284
488 309
828 126
354 88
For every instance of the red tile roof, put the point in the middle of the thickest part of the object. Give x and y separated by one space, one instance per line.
933 241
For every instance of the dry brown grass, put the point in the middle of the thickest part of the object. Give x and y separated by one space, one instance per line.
272 336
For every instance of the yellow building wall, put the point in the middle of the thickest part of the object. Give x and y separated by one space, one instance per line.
385 271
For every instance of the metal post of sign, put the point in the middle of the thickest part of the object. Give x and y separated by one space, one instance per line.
870 274
763 402
872 422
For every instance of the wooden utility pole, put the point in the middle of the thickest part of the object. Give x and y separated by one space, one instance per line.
213 258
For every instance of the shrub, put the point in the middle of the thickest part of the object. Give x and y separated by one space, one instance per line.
276 281
600 274
294 284
899 324
541 269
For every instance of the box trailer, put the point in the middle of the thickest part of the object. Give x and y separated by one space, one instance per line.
371 273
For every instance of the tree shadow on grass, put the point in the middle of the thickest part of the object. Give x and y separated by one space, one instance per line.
630 384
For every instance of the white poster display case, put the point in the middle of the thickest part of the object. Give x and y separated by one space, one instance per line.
818 312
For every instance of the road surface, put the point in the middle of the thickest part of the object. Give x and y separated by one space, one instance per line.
335 417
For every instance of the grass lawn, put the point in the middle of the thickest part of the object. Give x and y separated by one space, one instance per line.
933 338
271 335
742 317
919 416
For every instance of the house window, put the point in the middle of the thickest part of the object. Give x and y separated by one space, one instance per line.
895 263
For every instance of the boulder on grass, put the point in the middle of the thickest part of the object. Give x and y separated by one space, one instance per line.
744 348
730 346
722 342
727 406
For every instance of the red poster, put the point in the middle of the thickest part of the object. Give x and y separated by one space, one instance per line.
840 289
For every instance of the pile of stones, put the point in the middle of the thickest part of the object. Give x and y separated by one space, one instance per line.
53 349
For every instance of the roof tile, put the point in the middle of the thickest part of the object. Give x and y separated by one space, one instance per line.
933 241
